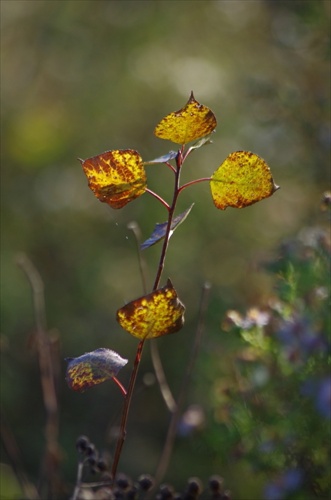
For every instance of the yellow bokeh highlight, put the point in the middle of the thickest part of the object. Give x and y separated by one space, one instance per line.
243 179
116 177
154 315
188 124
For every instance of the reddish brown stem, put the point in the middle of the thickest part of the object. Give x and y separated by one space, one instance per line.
179 161
128 397
125 413
158 198
196 181
120 386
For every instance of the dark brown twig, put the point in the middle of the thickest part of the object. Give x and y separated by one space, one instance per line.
52 451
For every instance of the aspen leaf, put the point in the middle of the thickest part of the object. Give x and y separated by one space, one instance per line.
243 179
116 177
160 229
153 315
188 124
93 368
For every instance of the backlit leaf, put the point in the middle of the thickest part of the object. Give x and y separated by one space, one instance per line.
188 124
116 177
153 315
161 228
93 368
202 142
243 179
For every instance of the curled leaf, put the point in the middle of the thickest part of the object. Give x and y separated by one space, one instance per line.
188 124
161 228
93 368
153 315
116 177
163 159
243 179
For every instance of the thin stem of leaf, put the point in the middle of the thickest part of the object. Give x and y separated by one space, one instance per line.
158 198
120 386
170 166
196 181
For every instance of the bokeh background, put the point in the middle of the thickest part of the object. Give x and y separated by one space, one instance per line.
81 77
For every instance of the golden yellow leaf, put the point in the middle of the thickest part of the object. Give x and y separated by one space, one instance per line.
153 315
243 179
116 177
191 122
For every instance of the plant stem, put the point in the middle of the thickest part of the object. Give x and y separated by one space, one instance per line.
128 397
125 413
179 161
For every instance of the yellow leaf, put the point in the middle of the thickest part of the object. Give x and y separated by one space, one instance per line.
153 315
243 179
191 122
116 177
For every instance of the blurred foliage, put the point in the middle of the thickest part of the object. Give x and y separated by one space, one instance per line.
83 77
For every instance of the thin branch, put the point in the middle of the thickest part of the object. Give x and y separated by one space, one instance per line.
155 355
171 435
133 225
161 378
179 159
52 452
78 484
125 412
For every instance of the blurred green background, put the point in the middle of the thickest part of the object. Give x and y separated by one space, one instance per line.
82 77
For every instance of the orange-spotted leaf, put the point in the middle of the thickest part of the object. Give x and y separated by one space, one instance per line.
243 179
116 177
153 315
188 124
161 228
93 368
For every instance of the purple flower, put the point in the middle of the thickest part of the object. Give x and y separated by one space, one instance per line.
274 491
300 340
323 398
288 482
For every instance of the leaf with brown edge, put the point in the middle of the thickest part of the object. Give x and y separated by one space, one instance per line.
116 177
243 179
188 124
93 368
154 315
